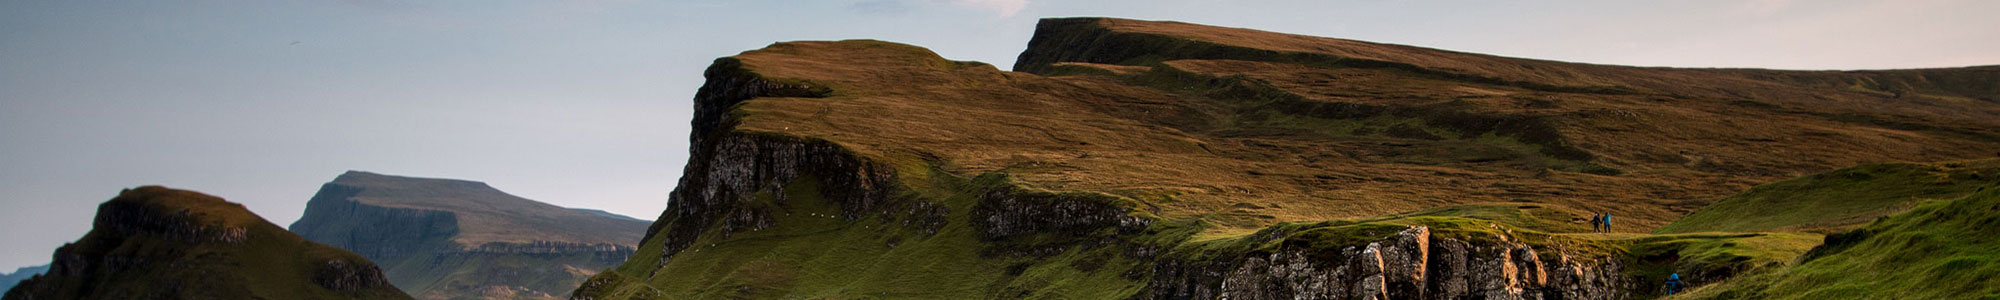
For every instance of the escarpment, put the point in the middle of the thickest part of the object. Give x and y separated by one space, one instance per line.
1407 264
389 234
1159 160
452 239
157 243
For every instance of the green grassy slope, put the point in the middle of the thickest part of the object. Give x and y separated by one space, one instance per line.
172 244
1539 217
1942 249
1706 258
1838 199
811 253
814 254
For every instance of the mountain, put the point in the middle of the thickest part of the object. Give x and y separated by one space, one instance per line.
8 280
158 243
456 239
1161 160
607 214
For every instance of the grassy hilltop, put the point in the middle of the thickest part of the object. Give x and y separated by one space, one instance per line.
158 243
1143 159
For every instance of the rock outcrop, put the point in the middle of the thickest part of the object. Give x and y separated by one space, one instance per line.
1407 265
453 239
158 243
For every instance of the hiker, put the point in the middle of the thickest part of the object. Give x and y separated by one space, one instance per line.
1673 284
1607 222
1597 223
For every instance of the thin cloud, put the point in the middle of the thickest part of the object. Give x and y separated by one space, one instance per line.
1004 8
1764 7
887 7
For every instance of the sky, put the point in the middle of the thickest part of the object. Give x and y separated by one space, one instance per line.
586 103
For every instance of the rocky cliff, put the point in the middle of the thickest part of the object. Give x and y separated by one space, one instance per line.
454 239
1161 160
158 243
1407 264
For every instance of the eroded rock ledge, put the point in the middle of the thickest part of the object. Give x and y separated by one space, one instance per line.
1411 264
731 166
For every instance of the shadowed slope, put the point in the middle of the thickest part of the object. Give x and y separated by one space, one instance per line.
8 280
158 243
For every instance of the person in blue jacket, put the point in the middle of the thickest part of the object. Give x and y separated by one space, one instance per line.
1673 284
1607 222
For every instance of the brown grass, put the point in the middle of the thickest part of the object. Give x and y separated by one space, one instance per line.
1234 141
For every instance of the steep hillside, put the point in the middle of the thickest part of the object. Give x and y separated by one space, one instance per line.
1161 160
1839 199
1331 121
8 280
1941 249
455 239
158 243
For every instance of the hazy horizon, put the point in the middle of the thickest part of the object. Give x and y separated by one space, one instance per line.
585 104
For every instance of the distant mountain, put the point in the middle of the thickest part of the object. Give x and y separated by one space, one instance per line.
456 239
610 215
159 243
7 280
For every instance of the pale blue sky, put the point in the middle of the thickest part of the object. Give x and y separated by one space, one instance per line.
585 103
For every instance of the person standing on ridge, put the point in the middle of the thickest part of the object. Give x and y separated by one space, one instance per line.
1596 223
1607 222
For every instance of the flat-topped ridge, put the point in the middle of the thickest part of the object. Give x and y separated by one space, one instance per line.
478 213
1126 41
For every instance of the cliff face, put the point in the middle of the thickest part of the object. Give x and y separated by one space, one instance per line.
450 239
158 243
1158 160
1407 265
378 232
